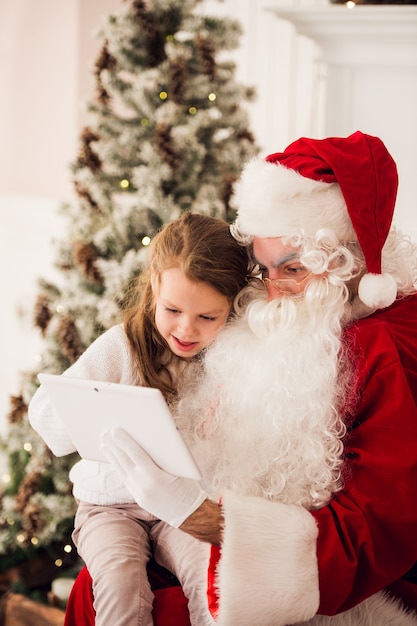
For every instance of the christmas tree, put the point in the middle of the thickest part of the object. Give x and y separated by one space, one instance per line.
166 134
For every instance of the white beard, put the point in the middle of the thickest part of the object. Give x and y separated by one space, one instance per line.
264 417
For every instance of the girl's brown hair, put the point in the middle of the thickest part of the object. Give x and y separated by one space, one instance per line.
204 250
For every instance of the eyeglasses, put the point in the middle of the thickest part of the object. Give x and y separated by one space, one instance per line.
285 284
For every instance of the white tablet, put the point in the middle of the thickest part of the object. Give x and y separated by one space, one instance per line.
89 407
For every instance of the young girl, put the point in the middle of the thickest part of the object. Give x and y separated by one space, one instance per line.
196 269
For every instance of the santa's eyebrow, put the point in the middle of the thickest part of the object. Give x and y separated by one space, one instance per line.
284 259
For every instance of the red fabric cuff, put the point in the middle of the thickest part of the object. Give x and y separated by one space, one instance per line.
212 591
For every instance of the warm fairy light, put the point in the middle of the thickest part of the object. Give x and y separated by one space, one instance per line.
163 95
192 110
350 4
5 479
21 538
59 308
146 240
58 562
68 548
144 121
212 97
34 541
27 446
124 183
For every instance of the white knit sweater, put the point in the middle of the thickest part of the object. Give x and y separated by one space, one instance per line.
108 358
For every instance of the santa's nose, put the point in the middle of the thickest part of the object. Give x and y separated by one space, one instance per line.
273 291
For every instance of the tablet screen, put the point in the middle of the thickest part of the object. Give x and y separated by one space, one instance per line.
89 407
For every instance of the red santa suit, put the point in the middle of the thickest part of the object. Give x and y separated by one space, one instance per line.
346 559
280 564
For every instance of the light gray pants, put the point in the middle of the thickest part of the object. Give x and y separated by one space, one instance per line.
116 542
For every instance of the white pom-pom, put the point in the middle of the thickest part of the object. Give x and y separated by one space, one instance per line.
377 290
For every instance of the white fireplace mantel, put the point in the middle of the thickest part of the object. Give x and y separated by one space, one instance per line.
365 33
366 67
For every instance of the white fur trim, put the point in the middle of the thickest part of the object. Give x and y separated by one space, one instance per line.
274 201
377 290
268 572
378 610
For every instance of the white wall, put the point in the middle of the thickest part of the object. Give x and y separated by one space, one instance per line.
46 53
47 49
27 225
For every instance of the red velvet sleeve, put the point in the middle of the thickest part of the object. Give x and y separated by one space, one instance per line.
367 535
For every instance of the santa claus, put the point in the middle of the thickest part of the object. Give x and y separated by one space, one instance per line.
304 420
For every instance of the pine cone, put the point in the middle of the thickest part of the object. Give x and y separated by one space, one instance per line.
27 488
68 339
165 146
32 519
18 410
246 134
42 313
87 157
155 42
85 257
206 52
84 194
227 192
177 79
102 93
105 61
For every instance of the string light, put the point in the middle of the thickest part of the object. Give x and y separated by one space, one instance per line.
163 95
5 479
146 240
27 447
34 541
59 308
212 97
192 110
68 548
58 562
144 121
124 183
350 4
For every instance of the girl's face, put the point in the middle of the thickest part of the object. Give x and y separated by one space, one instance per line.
188 314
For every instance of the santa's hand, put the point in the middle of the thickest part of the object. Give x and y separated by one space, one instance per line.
170 498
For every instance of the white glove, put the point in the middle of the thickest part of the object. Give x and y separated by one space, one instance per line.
170 498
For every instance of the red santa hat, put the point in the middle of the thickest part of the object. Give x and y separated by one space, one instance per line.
348 184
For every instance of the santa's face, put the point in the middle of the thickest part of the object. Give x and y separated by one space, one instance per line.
280 267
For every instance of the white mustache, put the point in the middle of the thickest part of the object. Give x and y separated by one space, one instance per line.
265 316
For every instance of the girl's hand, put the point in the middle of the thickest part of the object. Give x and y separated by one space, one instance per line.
170 498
